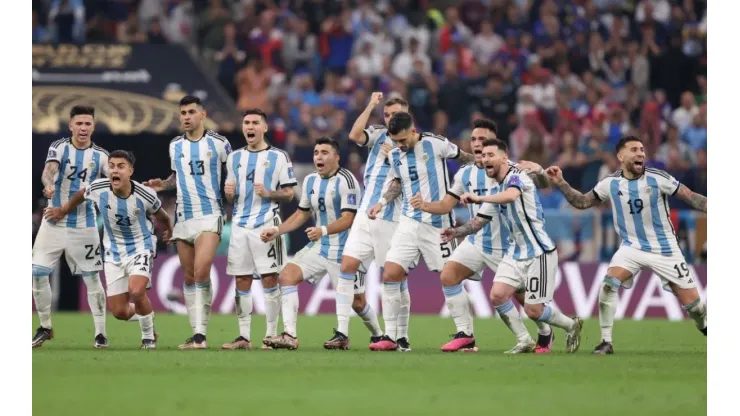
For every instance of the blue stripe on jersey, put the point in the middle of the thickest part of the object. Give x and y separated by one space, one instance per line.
126 232
143 224
56 200
503 230
389 209
614 189
267 182
465 179
637 218
415 188
665 246
307 191
515 215
433 180
182 186
89 211
380 179
214 169
74 185
108 229
249 188
235 168
486 232
338 213
200 187
325 240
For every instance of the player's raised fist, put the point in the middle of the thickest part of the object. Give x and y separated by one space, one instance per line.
468 198
447 235
386 148
530 166
555 174
269 234
417 202
53 214
374 210
375 99
313 233
260 190
49 191
230 189
155 184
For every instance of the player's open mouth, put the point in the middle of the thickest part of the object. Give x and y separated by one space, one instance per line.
319 165
478 152
638 163
251 135
115 179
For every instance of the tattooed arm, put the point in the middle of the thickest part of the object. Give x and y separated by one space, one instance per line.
394 190
47 178
466 158
280 196
696 201
160 185
573 197
470 227
536 173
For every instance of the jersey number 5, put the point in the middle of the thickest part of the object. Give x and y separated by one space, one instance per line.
413 175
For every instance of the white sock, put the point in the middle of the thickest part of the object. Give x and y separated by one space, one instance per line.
608 306
147 326
96 300
391 299
135 317
404 312
556 318
290 309
456 299
543 328
188 292
42 295
510 315
202 306
244 312
345 293
698 312
272 310
370 319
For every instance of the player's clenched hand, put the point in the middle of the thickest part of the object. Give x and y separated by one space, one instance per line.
53 214
375 99
314 233
448 235
269 234
386 148
230 189
49 191
530 166
555 175
468 198
260 190
374 210
417 202
155 184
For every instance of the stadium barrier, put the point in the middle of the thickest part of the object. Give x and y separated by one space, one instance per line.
577 292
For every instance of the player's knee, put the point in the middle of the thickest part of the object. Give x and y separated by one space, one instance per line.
349 265
499 297
289 279
448 278
137 293
201 273
120 312
390 274
533 311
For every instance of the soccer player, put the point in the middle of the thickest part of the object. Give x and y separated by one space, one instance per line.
486 248
331 195
639 199
370 240
259 177
129 242
196 159
531 262
417 166
70 165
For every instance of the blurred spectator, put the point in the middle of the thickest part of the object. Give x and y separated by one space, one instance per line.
452 31
675 155
131 31
67 21
369 61
403 64
266 40
179 22
230 58
486 43
336 43
453 98
211 22
695 135
155 35
40 34
682 116
299 48
251 84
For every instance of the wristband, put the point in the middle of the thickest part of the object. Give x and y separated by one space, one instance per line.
323 230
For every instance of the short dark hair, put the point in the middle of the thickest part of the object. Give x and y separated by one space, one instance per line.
123 154
396 100
80 110
257 111
626 139
190 99
485 123
399 122
498 143
327 140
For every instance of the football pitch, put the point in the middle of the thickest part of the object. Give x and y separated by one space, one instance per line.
659 369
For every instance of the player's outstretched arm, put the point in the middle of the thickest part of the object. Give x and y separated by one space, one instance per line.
536 173
438 207
696 201
573 197
280 196
466 158
470 227
505 197
299 217
160 185
164 219
57 213
341 224
47 177
357 133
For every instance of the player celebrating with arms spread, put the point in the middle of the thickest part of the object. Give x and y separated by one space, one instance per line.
418 166
70 165
196 159
259 178
531 262
639 199
129 241
331 194
370 240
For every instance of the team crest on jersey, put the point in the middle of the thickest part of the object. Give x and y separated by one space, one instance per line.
136 212
92 165
267 163
425 157
209 154
649 190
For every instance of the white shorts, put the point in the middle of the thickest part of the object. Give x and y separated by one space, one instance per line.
369 239
314 267
117 275
189 230
81 247
535 276
474 259
670 269
249 255
412 238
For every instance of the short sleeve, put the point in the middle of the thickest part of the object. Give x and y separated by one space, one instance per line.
458 187
372 134
601 190
225 151
519 181
152 203
445 148
172 157
666 182
287 175
92 190
305 203
487 211
350 192
53 155
230 174
104 164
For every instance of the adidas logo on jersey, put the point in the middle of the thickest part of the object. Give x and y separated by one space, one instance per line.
398 163
97 263
108 206
312 192
691 280
619 193
468 184
182 155
532 296
143 269
67 161
273 265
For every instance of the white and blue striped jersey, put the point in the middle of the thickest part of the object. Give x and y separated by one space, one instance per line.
198 165
327 199
127 228
376 172
271 168
640 208
423 169
77 169
524 217
494 235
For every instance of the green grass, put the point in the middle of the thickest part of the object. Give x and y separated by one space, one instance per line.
659 369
